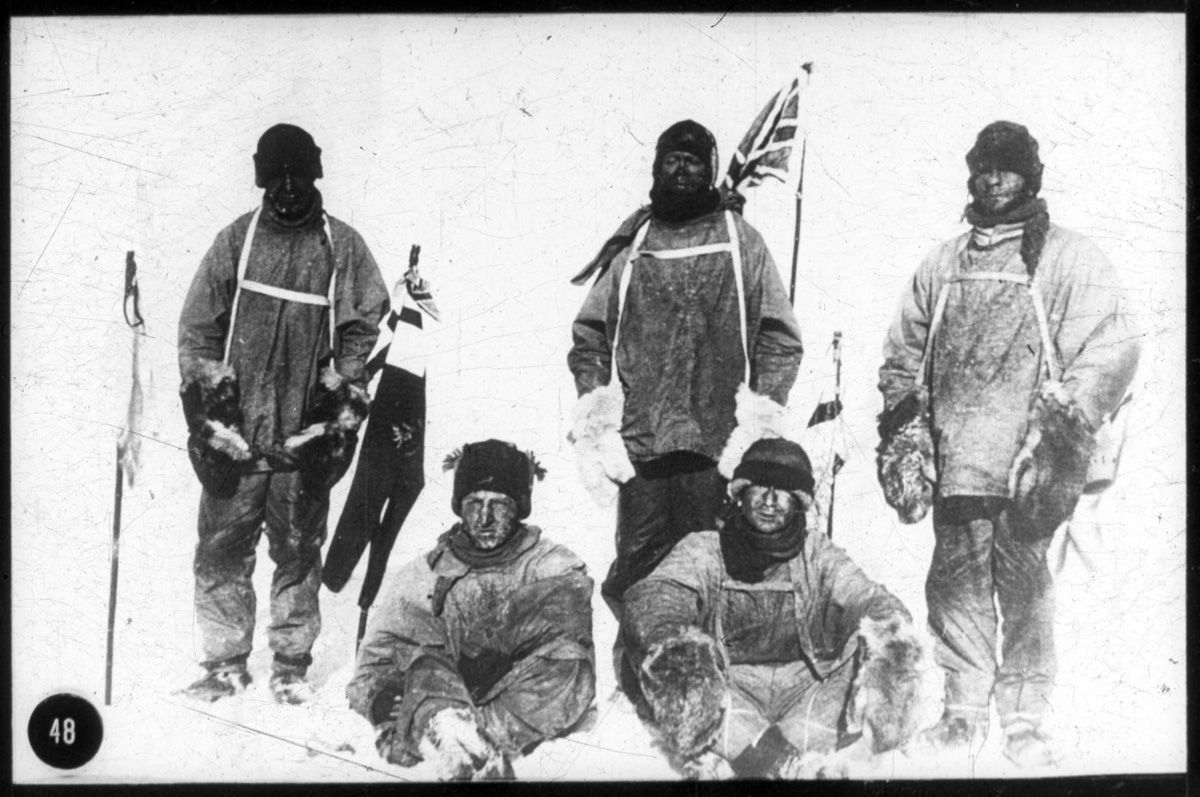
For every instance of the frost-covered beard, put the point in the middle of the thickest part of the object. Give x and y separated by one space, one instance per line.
490 528
674 201
291 200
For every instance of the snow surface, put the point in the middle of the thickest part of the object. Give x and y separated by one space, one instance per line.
509 147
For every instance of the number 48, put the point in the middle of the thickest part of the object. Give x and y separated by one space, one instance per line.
67 733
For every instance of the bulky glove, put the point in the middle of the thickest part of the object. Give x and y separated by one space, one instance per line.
1050 470
458 750
599 448
324 449
905 457
212 408
685 685
886 693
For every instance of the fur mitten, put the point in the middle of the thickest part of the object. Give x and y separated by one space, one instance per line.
1050 471
458 750
599 449
324 449
684 682
905 457
757 416
212 409
886 693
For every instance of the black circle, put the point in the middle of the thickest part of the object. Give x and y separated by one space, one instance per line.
65 731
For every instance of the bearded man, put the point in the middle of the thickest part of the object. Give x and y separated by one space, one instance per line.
1009 349
687 316
482 648
273 341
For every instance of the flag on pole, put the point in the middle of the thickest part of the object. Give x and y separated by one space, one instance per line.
824 439
767 145
129 445
391 464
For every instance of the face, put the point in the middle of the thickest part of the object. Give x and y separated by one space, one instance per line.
768 509
683 173
290 195
996 191
490 518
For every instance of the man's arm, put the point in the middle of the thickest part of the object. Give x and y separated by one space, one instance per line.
204 320
362 300
904 346
1097 340
590 358
777 349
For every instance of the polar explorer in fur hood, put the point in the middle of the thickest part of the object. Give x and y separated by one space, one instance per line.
761 648
273 339
482 648
1008 351
686 318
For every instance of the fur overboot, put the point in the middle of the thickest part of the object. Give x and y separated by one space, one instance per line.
905 457
212 409
324 448
757 417
600 452
1051 469
684 683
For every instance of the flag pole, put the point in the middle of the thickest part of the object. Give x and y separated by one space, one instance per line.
837 402
807 67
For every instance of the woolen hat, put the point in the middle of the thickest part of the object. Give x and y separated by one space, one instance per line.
1008 147
496 466
691 137
775 462
286 146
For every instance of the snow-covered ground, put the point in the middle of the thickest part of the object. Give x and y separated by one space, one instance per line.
509 148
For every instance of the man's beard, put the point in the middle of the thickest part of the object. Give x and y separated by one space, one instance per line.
673 204
292 208
491 536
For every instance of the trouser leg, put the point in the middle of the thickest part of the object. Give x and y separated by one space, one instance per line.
229 530
962 615
811 712
295 528
746 719
1024 588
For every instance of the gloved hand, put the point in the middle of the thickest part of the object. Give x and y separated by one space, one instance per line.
324 449
886 693
459 751
1050 470
683 680
905 463
212 409
384 710
599 448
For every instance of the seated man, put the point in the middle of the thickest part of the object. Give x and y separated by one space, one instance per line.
760 643
484 647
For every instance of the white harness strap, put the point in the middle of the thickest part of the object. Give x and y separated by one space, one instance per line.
281 293
733 246
1049 356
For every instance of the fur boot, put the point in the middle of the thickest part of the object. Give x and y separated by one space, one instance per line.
905 457
757 416
886 695
684 683
212 409
1051 469
453 743
599 449
324 449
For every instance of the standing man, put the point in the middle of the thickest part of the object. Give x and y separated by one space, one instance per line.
273 341
1006 354
482 648
688 305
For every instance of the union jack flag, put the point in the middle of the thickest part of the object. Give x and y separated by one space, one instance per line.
767 145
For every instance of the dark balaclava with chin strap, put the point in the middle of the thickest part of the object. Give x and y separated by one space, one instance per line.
695 139
286 146
1008 147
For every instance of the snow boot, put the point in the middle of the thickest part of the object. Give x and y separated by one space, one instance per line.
1028 746
218 683
953 732
288 684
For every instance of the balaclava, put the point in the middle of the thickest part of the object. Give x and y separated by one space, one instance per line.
286 145
694 138
1008 146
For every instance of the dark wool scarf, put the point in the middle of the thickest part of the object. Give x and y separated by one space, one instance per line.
1032 212
675 208
459 542
748 552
